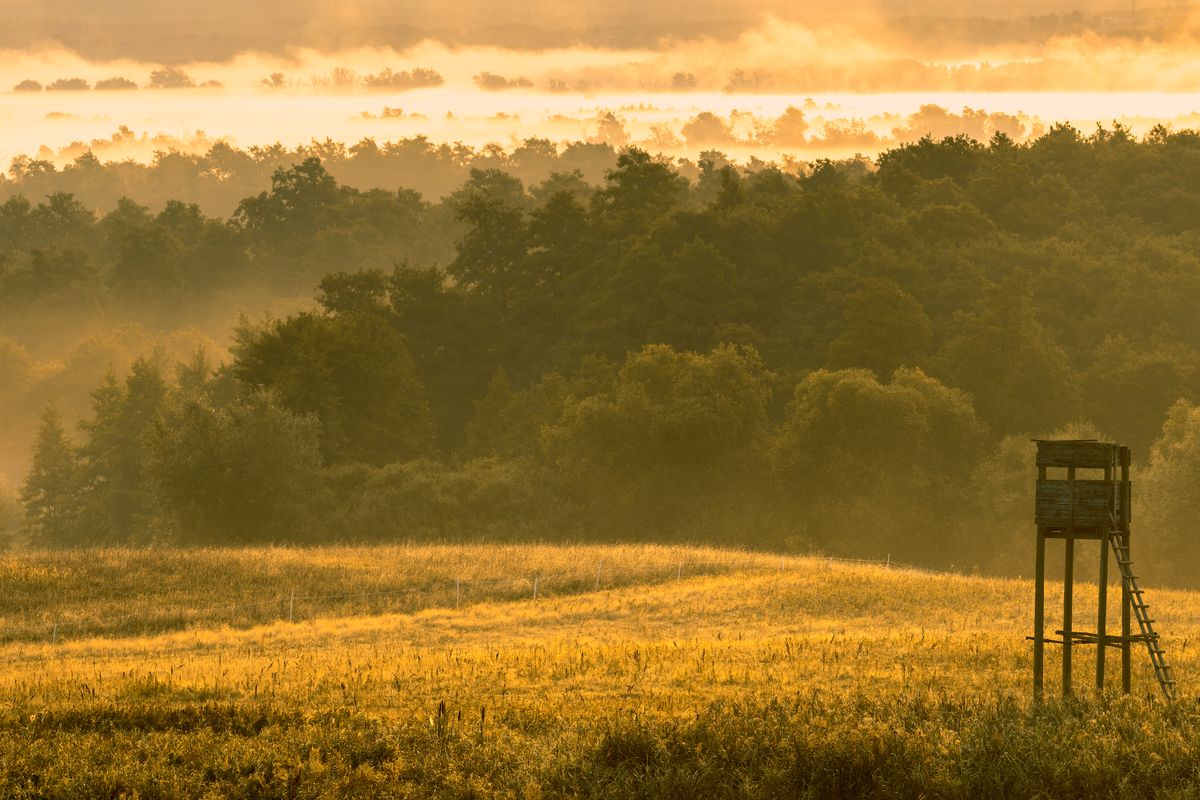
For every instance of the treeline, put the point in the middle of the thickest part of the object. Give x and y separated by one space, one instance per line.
57 253
218 179
338 443
836 360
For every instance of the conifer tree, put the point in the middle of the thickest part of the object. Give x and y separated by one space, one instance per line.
50 493
115 492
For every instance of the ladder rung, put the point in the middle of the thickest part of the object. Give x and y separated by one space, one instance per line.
1137 600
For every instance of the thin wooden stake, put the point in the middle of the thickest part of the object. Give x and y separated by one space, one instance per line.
679 570
292 606
535 587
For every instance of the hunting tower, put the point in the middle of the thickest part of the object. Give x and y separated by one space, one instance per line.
1083 492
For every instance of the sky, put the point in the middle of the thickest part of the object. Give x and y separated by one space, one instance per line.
766 78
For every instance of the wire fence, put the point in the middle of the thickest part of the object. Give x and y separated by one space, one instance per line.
441 592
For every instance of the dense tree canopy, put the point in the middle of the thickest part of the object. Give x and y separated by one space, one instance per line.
824 357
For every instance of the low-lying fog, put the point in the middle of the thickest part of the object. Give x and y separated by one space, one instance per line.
852 87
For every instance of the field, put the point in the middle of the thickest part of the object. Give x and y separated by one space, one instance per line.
431 671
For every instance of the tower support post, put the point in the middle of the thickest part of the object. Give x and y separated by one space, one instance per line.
1123 456
1068 602
1039 614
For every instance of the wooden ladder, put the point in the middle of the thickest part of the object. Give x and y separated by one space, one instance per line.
1141 610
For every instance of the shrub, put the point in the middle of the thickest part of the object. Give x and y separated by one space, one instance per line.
115 84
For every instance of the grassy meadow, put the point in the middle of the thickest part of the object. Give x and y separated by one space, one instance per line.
637 671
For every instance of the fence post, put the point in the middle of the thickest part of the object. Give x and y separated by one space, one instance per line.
889 561
679 570
292 606
535 585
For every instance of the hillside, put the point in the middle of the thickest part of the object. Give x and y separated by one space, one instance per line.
762 676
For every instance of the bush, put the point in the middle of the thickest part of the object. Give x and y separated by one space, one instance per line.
485 498
1169 504
873 467
68 85
115 84
245 473
677 442
10 515
171 78
418 78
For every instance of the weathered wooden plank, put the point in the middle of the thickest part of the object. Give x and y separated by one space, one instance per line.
1081 503
1076 453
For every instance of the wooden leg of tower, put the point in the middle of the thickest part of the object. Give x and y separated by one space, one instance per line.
1068 599
1126 598
1126 632
1039 613
1102 614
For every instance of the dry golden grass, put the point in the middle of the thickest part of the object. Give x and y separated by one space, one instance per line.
665 641
547 673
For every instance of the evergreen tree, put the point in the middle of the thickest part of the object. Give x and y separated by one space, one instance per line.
116 500
50 493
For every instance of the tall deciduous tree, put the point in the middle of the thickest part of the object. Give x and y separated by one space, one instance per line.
676 436
354 372
1017 373
872 466
248 472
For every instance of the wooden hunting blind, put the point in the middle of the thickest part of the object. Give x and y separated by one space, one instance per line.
1084 492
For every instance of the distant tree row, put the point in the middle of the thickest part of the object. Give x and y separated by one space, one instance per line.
221 178
165 78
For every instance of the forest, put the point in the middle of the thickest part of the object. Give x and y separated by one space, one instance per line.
849 358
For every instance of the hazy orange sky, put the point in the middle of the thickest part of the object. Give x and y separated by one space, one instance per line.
675 76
